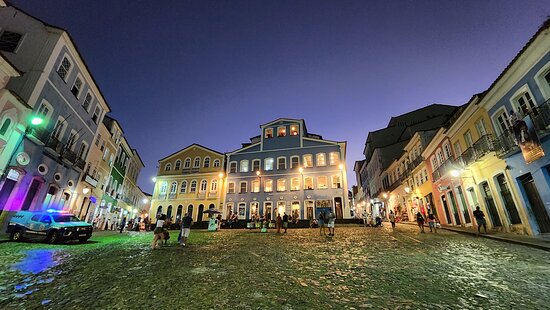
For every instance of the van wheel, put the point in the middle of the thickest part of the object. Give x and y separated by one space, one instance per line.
16 235
83 240
53 237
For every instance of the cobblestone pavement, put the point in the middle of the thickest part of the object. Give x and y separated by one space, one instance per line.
359 268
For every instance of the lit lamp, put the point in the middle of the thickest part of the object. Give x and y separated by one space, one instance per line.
145 200
455 173
85 190
407 189
260 179
154 179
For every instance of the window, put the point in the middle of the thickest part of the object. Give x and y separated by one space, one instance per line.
77 86
268 164
177 166
87 101
59 129
82 150
334 158
214 185
281 185
242 209
308 161
73 136
281 131
321 159
525 103
336 181
231 188
183 188
5 126
256 165
434 163
168 167
216 163
64 68
502 121
480 127
163 187
308 183
468 139
255 186
9 41
233 167
294 162
268 133
187 163
268 186
197 162
322 182
193 187
294 130
242 187
281 163
204 186
439 155
244 165
206 162
458 151
44 110
294 184
97 115
447 150
173 187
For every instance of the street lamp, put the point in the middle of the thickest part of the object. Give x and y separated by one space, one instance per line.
85 191
407 189
154 179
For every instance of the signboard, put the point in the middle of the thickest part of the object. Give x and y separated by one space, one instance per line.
527 139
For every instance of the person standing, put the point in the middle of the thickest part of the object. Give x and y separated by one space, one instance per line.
322 224
285 222
185 228
331 222
158 232
480 219
122 224
279 222
432 222
392 220
420 221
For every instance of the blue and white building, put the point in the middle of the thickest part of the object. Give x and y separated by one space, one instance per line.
522 93
288 170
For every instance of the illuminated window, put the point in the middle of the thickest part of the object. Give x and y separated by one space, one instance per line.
268 186
281 185
294 162
244 166
204 186
281 131
321 159
308 161
336 182
256 165
322 182
308 183
334 157
163 187
294 184
268 133
233 167
173 187
243 186
214 185
255 186
294 130
281 163
231 188
268 164
242 209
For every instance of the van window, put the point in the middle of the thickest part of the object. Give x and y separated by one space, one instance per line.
46 219
35 218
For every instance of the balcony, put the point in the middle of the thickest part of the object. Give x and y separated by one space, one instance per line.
201 195
80 163
212 195
90 180
190 170
482 146
69 155
172 196
447 166
54 144
38 135
506 143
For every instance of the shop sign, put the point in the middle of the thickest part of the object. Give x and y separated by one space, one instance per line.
527 139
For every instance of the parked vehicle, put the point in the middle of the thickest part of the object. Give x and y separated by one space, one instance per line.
51 226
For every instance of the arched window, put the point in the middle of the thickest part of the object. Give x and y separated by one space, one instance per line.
206 162
168 167
183 188
169 212
216 163
177 166
163 187
214 185
159 211
197 162
178 214
187 163
5 126
193 187
173 187
204 185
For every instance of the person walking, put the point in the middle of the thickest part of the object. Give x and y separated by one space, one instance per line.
278 223
420 221
122 224
331 222
432 222
480 219
185 228
392 220
158 232
322 224
285 222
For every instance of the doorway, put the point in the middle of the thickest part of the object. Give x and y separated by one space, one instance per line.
539 210
463 205
178 213
490 202
268 210
31 193
338 207
508 200
309 209
190 210
199 215
5 193
446 209
454 207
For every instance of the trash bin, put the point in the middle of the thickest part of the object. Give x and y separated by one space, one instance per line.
212 224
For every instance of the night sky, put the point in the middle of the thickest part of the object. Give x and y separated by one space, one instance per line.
210 72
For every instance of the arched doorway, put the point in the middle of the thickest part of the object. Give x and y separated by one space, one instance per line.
159 211
169 212
199 215
178 214
190 210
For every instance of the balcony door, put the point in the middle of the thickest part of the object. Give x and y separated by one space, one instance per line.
490 203
446 209
454 207
537 205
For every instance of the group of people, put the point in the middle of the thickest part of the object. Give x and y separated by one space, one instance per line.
107 223
368 220
161 230
328 221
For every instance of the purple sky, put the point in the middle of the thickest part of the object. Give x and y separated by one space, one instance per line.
182 72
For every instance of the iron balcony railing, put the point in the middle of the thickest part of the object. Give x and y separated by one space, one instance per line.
54 144
80 163
448 165
482 146
39 135
190 170
69 155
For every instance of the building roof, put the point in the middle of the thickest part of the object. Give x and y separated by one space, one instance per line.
189 146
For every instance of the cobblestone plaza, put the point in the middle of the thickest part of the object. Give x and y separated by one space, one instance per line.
360 268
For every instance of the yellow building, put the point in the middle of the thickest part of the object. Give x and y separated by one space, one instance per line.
484 176
190 180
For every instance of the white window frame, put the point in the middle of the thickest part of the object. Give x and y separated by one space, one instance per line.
232 165
90 102
183 188
279 164
494 118
304 162
336 160
69 59
241 187
206 162
255 186
268 133
543 85
187 163
297 164
214 185
282 185
259 165
78 77
281 131
173 187
297 132
82 154
193 189
197 162
336 184
305 182
216 163
48 106
231 185
514 99
266 165
168 167
177 165
295 184
320 155
243 165
268 189
203 186
319 183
